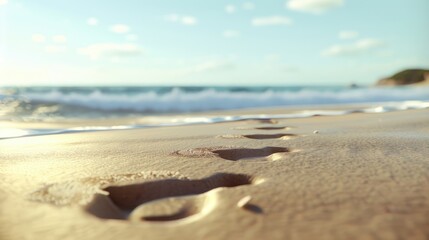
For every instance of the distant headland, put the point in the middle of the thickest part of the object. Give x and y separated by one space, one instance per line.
406 77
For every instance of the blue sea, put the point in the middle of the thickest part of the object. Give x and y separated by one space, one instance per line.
170 106
39 103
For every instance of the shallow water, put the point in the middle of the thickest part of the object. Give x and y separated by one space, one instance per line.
163 121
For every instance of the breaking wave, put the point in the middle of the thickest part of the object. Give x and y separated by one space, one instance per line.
92 102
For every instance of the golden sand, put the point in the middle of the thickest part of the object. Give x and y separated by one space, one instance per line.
358 176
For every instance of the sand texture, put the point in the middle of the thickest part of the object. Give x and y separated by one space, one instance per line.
358 176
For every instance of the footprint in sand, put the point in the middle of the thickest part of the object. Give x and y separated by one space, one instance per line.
165 200
268 153
156 196
236 153
260 121
280 136
268 128
271 128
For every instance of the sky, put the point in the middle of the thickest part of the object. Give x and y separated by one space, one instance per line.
211 42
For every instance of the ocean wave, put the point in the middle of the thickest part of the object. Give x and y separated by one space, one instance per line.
177 100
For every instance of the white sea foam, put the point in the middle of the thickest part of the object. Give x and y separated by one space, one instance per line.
178 100
186 120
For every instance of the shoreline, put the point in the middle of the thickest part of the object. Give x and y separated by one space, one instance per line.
14 129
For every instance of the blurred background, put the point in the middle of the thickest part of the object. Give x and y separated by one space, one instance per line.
59 57
221 42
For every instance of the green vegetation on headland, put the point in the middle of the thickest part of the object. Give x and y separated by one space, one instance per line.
406 77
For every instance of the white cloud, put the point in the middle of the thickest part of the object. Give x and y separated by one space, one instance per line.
55 49
359 47
348 35
110 50
38 38
3 2
270 21
120 28
313 6
231 33
230 8
248 6
186 20
92 21
189 20
59 39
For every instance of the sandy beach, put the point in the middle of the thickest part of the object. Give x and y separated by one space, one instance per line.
214 120
356 176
